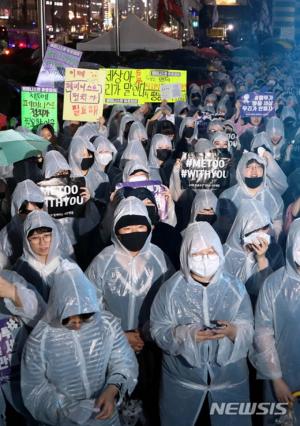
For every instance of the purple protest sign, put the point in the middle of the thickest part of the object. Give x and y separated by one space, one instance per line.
7 342
156 188
56 60
257 104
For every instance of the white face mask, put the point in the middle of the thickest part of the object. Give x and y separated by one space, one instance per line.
253 238
204 266
105 158
140 178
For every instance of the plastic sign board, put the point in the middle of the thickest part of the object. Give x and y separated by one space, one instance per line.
38 106
84 94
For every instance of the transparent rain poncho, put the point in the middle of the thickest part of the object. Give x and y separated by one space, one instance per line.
277 332
271 200
252 215
194 88
135 151
132 166
188 122
137 132
15 323
275 176
63 370
158 141
11 236
205 199
111 124
181 308
29 264
54 162
101 143
179 106
89 131
122 280
127 118
274 127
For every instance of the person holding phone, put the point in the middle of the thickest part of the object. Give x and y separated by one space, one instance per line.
202 320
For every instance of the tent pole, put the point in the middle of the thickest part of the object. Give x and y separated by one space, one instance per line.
42 26
117 25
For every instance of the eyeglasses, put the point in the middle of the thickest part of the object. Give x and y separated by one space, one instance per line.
37 239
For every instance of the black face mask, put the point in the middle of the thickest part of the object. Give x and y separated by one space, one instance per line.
209 218
153 215
188 132
163 154
134 241
145 143
253 182
86 163
224 152
196 101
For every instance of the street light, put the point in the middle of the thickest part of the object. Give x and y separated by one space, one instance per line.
42 26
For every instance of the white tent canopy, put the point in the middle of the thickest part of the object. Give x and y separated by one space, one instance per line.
134 35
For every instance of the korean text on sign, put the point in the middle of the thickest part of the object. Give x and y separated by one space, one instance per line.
84 94
257 104
56 60
137 86
39 106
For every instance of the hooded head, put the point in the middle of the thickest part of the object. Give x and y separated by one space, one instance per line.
131 212
203 145
78 151
252 216
179 107
105 150
25 191
160 149
133 167
293 250
134 151
275 131
40 219
188 129
138 132
220 140
71 294
54 164
200 236
204 204
248 161
125 127
88 131
194 95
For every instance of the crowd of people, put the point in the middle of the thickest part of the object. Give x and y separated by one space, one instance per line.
143 310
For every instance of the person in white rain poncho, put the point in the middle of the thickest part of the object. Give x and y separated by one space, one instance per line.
252 185
277 180
138 132
26 197
76 360
275 131
20 309
159 154
277 331
200 360
204 207
41 252
251 254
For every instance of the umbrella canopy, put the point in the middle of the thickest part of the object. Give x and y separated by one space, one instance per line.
209 52
17 146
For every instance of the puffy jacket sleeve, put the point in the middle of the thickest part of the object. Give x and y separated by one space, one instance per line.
264 355
40 396
173 338
228 351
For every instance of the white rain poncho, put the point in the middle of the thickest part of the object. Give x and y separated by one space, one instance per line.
131 167
158 141
277 331
14 332
11 236
137 132
101 143
288 112
188 122
111 123
135 151
64 370
127 118
252 215
205 199
89 131
122 280
54 163
29 265
274 127
194 88
276 178
181 308
179 106
271 200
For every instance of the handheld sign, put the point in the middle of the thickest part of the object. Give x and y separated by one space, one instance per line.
138 86
39 106
257 104
56 60
63 196
156 188
205 170
84 94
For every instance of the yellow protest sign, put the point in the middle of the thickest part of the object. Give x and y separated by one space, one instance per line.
83 94
137 86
